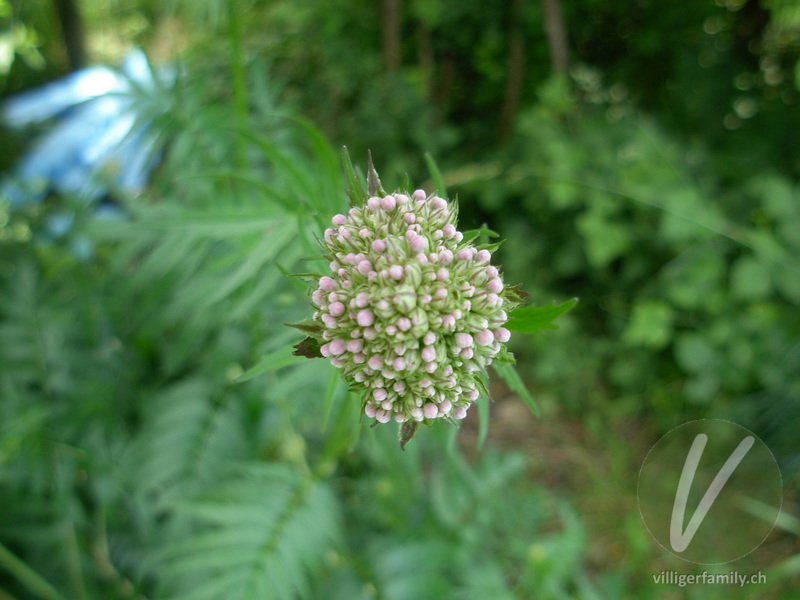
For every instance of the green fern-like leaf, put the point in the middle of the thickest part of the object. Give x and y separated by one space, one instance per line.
261 536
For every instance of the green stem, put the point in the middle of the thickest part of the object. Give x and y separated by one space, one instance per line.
239 85
27 576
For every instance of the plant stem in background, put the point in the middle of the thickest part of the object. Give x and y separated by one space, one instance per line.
556 35
515 71
391 34
238 83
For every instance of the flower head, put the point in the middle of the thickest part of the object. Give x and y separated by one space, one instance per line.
412 311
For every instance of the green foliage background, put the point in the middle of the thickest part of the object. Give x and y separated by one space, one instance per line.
657 180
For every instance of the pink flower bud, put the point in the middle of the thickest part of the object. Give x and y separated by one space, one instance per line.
401 199
495 285
484 337
449 231
430 367
428 354
399 417
416 413
388 203
445 256
418 195
330 322
365 318
467 353
418 244
439 203
458 236
369 410
364 234
364 267
318 297
362 299
325 350
460 412
445 406
429 338
339 220
396 272
404 323
502 334
464 254
442 274
430 410
336 309
492 272
379 394
374 203
399 364
355 345
337 347
483 256
328 284
379 246
375 362
382 416
463 340
370 334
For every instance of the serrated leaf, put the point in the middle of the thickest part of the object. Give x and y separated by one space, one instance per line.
531 319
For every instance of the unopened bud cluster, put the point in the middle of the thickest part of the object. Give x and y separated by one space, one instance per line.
411 312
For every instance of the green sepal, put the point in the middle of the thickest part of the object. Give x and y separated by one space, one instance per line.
308 347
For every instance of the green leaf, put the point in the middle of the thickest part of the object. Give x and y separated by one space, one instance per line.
253 539
510 375
436 175
271 362
531 319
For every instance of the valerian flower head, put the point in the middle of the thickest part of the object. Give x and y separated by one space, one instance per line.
412 312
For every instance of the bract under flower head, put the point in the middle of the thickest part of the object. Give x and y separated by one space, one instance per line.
411 312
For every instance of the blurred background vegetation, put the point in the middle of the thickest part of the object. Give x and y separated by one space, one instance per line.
642 156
